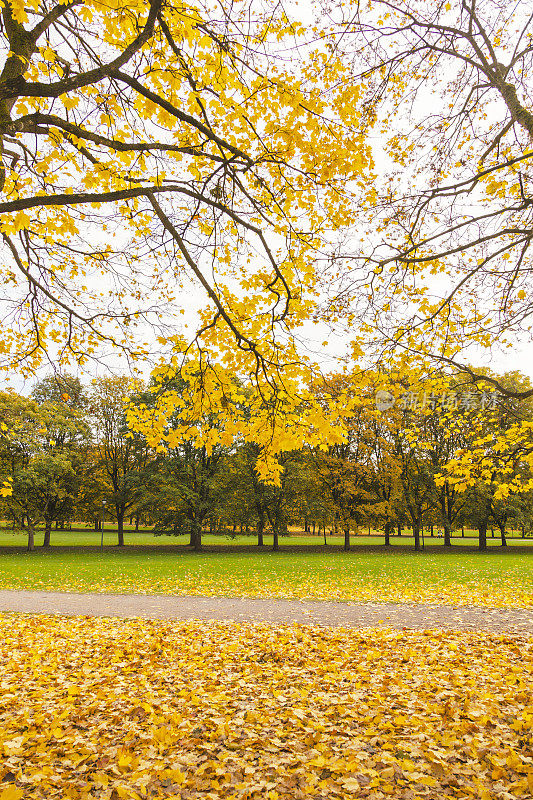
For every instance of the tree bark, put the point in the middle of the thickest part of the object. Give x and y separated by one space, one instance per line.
31 537
47 532
388 531
120 526
447 535
416 534
260 528
502 533
275 542
482 530
196 535
346 537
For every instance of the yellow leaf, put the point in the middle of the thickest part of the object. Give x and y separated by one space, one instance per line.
11 793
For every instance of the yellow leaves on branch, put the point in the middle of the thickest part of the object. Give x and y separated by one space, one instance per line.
136 709
263 109
19 9
16 223
206 404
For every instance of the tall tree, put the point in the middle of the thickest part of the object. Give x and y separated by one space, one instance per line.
123 454
454 196
186 124
43 448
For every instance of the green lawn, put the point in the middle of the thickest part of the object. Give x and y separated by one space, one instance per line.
82 536
496 578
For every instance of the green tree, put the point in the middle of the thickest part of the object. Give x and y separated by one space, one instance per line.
122 454
43 448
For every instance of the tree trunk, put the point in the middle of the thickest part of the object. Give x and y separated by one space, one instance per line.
388 530
431 530
399 529
502 533
196 535
447 535
346 537
275 543
260 528
120 526
137 520
31 537
416 534
482 530
463 531
47 532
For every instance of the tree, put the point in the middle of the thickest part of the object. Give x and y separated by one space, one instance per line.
185 123
44 491
384 479
241 494
186 489
42 447
94 488
65 389
122 454
345 477
447 90
496 460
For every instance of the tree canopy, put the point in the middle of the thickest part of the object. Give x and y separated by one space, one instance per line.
366 169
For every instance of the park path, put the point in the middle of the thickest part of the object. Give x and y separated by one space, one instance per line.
245 609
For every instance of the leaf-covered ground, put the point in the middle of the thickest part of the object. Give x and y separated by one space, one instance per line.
99 708
501 579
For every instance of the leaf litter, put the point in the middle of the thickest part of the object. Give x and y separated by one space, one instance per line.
108 708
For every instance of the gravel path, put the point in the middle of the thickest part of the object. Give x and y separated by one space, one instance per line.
243 609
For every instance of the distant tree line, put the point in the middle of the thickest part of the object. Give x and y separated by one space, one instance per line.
68 450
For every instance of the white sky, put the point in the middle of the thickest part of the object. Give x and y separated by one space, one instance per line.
519 357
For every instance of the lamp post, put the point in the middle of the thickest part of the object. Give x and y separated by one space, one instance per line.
102 530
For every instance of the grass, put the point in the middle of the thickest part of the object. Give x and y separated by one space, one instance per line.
86 537
461 576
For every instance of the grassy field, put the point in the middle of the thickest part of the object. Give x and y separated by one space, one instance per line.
86 537
234 568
